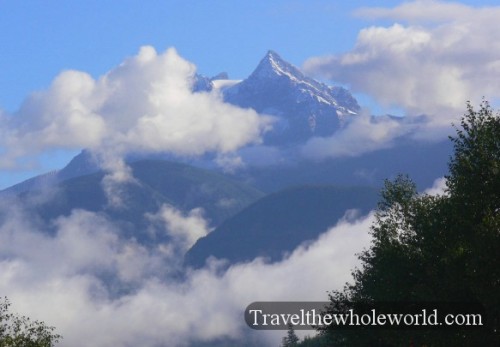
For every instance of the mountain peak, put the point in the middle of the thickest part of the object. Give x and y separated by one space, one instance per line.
273 56
273 65
303 107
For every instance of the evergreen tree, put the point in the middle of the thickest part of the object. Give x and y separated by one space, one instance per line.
319 340
291 339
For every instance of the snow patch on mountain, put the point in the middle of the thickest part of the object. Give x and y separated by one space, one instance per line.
223 84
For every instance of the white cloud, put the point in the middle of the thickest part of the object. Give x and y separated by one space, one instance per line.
424 10
362 135
101 290
144 104
230 162
184 229
437 57
438 188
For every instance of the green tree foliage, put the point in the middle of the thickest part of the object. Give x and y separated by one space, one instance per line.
315 341
291 339
436 248
20 331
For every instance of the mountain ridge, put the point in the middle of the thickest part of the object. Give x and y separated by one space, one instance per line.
279 222
156 182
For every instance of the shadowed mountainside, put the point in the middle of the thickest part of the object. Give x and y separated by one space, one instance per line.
278 223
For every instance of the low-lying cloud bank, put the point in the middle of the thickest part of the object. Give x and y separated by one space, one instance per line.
363 134
101 290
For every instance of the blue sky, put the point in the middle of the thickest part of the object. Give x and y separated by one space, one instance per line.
40 39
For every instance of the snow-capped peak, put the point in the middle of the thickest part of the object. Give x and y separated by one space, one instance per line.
302 106
273 64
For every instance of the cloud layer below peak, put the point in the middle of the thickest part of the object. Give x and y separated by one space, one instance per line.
99 289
